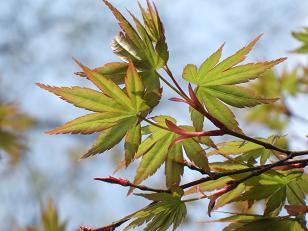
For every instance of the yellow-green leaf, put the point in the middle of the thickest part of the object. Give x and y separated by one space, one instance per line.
220 111
89 123
196 154
85 98
107 86
135 87
174 167
153 159
110 137
132 141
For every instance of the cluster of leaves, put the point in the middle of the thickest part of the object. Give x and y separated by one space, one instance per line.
248 222
128 91
164 211
50 220
285 84
12 123
281 84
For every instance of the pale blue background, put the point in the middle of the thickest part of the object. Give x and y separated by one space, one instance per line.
38 38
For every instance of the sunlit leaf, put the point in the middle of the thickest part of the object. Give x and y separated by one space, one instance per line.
215 83
117 110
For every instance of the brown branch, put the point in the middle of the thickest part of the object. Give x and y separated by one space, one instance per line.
110 227
127 183
217 175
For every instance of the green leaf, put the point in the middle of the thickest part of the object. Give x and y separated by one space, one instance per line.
162 51
13 123
153 91
108 87
190 73
197 119
259 192
159 215
241 218
295 193
237 96
213 184
215 82
275 202
174 167
196 154
85 98
156 196
238 74
110 137
247 222
220 111
226 166
152 22
246 150
116 71
125 25
50 220
229 196
118 110
90 123
132 141
210 62
139 46
158 148
153 159
302 37
135 88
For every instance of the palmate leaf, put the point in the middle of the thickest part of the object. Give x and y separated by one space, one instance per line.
274 186
216 83
243 222
159 148
116 111
247 151
145 46
288 82
116 71
138 45
302 37
166 210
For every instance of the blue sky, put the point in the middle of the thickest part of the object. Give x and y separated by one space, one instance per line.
38 40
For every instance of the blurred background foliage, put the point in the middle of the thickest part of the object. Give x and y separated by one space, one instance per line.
38 39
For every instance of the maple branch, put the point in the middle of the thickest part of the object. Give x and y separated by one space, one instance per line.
265 144
110 227
200 108
113 225
262 170
170 85
168 71
216 175
127 183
